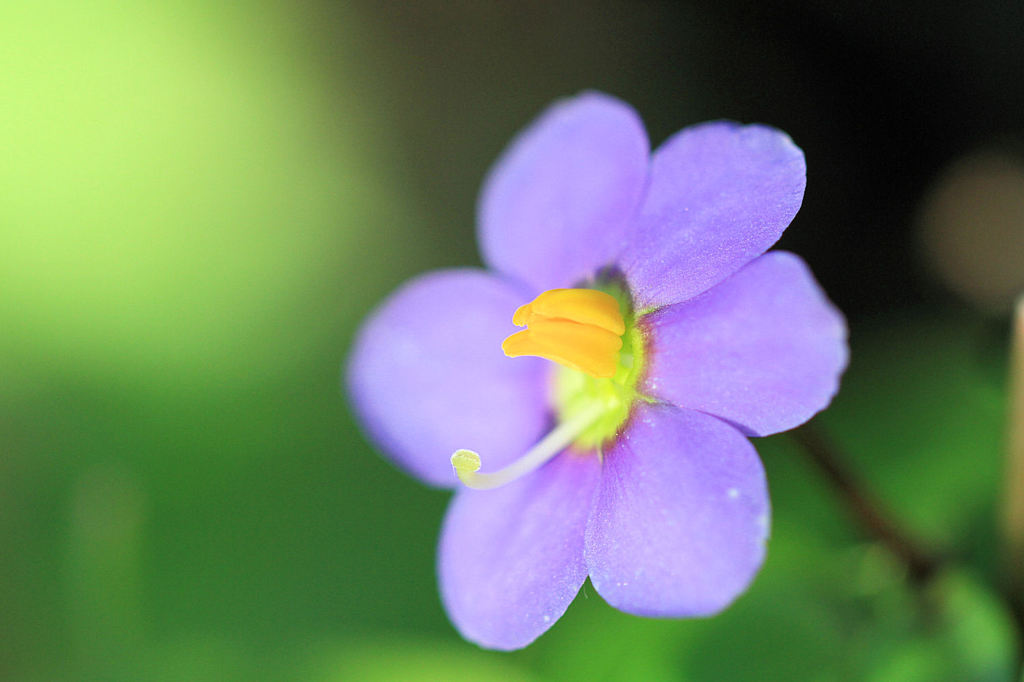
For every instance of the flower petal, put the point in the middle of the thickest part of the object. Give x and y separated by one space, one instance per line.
681 517
427 375
764 349
720 195
511 559
560 201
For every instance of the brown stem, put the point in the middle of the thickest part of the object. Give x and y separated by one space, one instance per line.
1013 494
921 564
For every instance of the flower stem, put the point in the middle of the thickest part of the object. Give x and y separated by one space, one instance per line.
1013 495
921 563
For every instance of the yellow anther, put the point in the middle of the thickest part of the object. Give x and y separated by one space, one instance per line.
586 306
579 328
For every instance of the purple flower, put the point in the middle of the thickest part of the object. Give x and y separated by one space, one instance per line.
627 458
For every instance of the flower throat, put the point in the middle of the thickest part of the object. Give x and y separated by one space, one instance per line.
592 334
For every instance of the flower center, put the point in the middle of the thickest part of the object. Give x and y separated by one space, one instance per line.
593 335
577 328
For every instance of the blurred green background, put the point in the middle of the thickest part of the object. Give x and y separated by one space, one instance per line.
199 201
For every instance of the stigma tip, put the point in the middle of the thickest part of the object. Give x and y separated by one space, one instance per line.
465 461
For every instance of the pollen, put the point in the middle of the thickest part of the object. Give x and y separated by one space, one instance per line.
577 328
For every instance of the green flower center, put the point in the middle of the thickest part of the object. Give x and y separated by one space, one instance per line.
575 392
